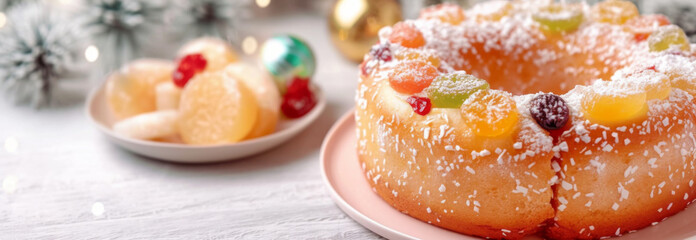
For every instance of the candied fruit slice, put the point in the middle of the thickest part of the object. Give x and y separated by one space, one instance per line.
412 77
657 85
643 26
420 105
416 55
559 17
667 37
218 52
490 113
610 104
265 92
614 11
550 111
216 108
406 35
446 13
131 90
451 90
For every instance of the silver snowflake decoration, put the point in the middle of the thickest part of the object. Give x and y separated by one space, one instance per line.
119 27
38 46
196 18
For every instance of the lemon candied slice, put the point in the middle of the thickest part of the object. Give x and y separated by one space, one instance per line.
559 17
451 90
614 11
131 90
216 108
667 37
612 103
490 113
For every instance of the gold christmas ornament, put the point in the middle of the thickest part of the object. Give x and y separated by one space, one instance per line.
354 24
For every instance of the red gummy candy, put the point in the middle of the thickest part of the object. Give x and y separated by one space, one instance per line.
189 65
298 100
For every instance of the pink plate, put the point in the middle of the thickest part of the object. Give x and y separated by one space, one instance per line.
352 193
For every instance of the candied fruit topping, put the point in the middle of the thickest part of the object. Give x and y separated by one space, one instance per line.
412 77
614 11
490 113
415 55
611 105
643 26
189 65
492 11
298 100
406 35
216 108
667 37
446 13
381 52
451 90
549 111
657 85
420 105
559 17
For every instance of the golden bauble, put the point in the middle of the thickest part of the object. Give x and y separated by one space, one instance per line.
355 24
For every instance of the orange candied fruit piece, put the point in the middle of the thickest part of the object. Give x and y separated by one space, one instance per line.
446 13
412 77
610 104
614 11
490 113
414 55
406 35
643 26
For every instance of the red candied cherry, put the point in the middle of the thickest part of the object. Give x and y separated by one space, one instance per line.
298 100
412 76
381 52
420 105
189 65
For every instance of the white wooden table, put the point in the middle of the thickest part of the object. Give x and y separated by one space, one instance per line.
61 179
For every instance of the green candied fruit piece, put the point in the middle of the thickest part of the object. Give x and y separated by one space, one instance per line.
559 17
667 36
452 89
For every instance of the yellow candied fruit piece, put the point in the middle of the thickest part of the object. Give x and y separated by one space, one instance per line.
215 109
490 113
614 11
612 106
131 90
658 87
492 11
667 37
415 56
559 17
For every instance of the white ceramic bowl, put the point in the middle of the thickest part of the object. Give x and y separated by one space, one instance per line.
98 111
